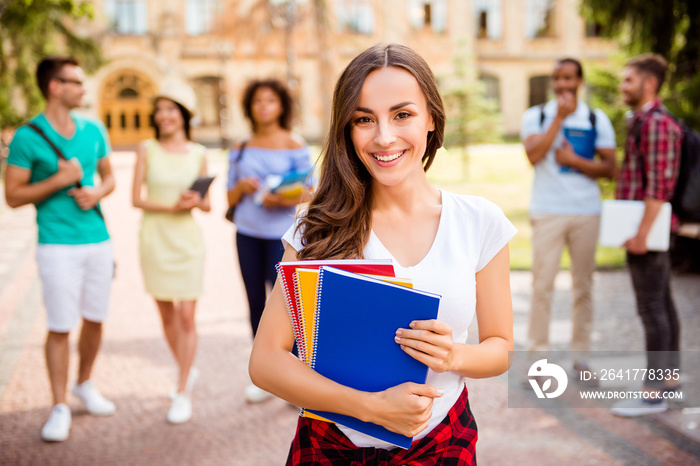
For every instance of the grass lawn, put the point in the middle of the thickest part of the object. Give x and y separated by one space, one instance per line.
502 174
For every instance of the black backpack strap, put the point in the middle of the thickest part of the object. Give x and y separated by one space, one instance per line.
240 155
60 155
638 127
231 208
50 143
240 151
541 115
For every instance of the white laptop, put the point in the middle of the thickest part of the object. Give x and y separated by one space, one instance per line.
619 221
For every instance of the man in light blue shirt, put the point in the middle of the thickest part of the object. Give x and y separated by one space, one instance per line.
74 254
569 145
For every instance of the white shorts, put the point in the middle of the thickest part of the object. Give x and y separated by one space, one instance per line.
75 280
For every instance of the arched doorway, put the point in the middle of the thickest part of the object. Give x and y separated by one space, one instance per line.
127 103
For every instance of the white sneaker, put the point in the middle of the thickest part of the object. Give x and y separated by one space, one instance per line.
57 427
254 394
181 409
189 386
95 403
638 407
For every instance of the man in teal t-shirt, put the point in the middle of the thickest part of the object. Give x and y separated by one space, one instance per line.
74 254
60 218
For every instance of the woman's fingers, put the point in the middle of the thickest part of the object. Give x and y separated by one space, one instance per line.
407 408
428 341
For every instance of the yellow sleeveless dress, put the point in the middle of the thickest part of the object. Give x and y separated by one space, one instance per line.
171 245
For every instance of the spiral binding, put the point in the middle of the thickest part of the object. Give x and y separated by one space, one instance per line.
288 301
317 315
304 355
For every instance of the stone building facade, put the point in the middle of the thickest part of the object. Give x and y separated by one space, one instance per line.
220 45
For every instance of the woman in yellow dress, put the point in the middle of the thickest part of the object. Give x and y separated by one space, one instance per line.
171 244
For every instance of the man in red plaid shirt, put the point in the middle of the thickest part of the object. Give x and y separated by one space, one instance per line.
649 173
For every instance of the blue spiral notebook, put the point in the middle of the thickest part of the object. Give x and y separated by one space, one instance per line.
356 322
582 142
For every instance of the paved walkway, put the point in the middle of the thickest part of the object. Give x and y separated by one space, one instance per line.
135 369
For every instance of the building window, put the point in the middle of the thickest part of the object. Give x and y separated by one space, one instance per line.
482 26
539 18
127 16
200 16
428 14
594 29
128 93
539 89
491 87
209 98
489 19
355 16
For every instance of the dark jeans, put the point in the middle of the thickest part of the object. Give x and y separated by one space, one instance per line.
651 279
257 258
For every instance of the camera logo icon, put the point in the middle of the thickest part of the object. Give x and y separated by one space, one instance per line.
542 371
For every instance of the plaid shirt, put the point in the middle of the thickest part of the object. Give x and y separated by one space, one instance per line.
650 170
452 442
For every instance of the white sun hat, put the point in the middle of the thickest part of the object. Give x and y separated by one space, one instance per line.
180 92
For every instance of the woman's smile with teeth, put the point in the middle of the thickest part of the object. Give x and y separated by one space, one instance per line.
387 156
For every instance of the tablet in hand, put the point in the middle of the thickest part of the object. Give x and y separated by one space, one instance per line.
201 185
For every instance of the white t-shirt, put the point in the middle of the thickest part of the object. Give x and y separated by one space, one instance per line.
565 192
472 230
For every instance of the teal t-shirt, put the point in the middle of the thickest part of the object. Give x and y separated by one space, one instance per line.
58 217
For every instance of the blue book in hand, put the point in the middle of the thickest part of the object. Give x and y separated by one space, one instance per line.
288 186
357 318
290 179
583 143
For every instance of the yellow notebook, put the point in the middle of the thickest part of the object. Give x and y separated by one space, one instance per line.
292 191
305 281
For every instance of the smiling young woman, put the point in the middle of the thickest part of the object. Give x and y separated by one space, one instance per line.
374 201
170 242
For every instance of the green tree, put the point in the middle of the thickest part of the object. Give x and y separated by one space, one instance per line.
472 118
602 82
670 28
30 30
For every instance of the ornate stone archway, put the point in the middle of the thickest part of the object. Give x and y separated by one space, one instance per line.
126 107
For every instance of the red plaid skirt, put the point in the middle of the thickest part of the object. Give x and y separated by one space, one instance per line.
450 443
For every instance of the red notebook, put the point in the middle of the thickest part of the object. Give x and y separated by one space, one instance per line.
285 272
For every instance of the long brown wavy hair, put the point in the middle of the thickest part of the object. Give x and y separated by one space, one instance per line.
337 222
